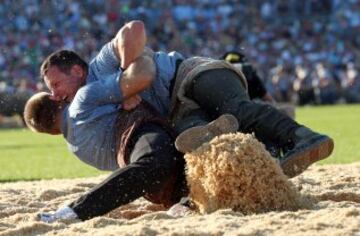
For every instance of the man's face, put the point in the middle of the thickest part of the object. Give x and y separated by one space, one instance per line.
64 86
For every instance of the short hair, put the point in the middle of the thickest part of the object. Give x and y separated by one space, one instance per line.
64 60
40 112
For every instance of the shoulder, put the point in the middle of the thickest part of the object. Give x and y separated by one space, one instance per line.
80 99
106 61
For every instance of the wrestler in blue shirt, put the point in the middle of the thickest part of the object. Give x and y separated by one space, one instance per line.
89 120
88 123
105 66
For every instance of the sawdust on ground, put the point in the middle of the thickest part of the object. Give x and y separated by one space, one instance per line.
337 212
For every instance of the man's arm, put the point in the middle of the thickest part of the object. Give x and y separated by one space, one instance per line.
129 42
129 45
125 47
138 76
115 89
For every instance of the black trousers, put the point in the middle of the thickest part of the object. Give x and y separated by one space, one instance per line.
220 91
152 161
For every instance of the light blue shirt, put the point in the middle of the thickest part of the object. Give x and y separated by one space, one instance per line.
89 121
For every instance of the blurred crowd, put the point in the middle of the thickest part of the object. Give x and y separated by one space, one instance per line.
306 52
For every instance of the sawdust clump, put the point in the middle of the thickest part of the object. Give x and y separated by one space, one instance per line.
235 171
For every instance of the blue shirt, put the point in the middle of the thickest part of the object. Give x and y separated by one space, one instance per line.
106 66
89 121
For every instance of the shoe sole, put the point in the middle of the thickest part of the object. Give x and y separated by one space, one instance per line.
298 162
194 137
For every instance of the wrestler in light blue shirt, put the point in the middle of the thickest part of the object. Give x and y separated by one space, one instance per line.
106 66
88 122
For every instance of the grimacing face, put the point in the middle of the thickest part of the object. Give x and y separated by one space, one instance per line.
64 86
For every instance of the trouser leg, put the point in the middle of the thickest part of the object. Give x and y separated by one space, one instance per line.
220 91
196 117
153 160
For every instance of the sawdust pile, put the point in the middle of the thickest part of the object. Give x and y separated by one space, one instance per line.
235 171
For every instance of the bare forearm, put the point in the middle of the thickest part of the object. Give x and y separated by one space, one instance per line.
138 76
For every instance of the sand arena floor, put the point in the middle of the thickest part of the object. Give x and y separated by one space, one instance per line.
337 212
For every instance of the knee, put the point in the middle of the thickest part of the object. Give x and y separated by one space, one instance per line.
155 145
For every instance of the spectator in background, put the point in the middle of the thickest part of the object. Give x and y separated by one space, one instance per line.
281 81
324 85
351 84
276 33
303 86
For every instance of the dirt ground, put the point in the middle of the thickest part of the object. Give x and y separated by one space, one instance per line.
336 212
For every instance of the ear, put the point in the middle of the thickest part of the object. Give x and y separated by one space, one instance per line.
77 71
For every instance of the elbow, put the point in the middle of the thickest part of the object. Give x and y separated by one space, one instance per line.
137 27
137 23
132 30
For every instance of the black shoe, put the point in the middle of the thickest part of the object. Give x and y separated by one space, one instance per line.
309 147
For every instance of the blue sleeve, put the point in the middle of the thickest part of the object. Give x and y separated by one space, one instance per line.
98 93
105 62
